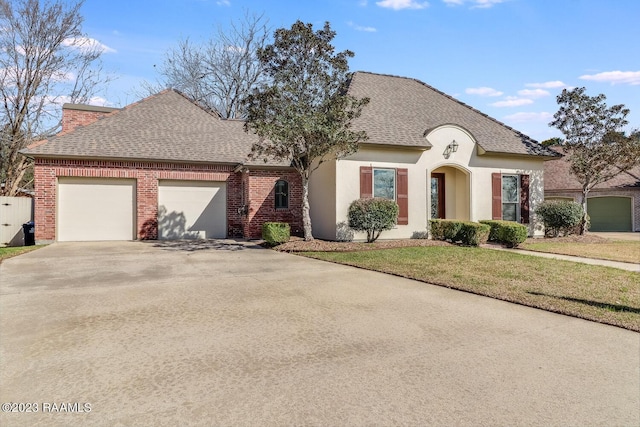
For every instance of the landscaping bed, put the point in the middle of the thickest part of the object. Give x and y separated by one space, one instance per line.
297 244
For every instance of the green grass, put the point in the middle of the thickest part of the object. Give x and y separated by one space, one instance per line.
8 252
601 294
614 250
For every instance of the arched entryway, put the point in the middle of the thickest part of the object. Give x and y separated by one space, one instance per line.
450 193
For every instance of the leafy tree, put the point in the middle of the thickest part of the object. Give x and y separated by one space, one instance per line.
220 73
45 59
594 143
303 114
551 142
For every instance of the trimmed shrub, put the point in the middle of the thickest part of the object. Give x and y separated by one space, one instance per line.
372 215
473 234
509 233
275 233
444 229
512 234
465 232
495 228
559 216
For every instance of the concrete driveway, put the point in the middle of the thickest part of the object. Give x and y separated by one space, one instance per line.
230 334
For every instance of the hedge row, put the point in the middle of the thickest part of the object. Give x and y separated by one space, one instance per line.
466 232
509 233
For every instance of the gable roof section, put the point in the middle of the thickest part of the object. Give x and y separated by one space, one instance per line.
163 127
402 110
558 176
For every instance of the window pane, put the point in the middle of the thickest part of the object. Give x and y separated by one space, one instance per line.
282 194
434 198
384 183
509 212
510 188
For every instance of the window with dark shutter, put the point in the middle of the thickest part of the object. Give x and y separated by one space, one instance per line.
403 196
496 193
524 199
366 182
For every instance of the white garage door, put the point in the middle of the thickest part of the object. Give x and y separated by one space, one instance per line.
192 210
96 209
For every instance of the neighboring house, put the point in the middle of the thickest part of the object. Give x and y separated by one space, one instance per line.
165 168
612 206
437 157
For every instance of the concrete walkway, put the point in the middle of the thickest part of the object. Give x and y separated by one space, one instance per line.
592 261
227 333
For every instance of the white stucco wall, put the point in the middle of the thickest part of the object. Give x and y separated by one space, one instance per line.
322 200
467 182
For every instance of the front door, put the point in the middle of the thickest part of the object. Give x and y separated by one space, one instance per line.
437 196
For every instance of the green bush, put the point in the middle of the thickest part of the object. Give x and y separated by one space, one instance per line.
495 228
465 232
473 234
275 233
444 229
559 216
372 215
509 233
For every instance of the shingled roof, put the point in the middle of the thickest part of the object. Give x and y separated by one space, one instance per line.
163 127
403 110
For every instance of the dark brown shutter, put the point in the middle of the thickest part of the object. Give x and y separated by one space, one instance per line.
524 198
366 182
403 196
496 196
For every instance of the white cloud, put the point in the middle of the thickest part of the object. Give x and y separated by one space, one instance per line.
223 3
534 93
402 4
95 100
615 77
482 91
547 85
475 4
363 3
512 101
86 44
529 117
361 28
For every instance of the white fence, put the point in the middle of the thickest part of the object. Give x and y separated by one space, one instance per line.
14 211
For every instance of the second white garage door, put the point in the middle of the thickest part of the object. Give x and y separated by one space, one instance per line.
192 210
95 209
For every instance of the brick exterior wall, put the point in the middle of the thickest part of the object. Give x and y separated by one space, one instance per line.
250 192
73 117
259 194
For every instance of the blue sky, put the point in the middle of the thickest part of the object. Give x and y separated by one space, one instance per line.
507 58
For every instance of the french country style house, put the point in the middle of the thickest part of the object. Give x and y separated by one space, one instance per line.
165 168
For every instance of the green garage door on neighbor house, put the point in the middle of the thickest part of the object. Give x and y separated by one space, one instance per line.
610 213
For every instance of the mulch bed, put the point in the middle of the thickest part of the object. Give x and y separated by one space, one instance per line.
297 244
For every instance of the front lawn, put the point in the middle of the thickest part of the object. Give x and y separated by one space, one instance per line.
614 250
596 293
8 252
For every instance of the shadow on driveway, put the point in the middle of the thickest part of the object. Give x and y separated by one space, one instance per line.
200 245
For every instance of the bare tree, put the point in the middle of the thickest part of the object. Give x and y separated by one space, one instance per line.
45 59
220 73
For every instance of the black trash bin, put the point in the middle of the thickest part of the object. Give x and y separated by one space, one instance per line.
29 230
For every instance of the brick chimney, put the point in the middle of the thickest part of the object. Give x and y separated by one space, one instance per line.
74 115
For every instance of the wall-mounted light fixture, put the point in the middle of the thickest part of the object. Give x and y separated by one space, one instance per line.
451 148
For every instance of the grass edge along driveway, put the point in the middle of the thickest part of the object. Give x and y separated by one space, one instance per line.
596 293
